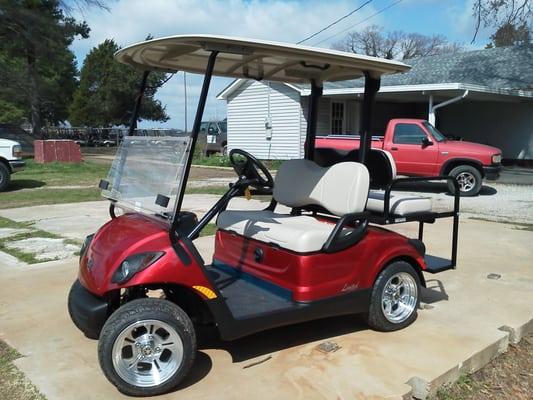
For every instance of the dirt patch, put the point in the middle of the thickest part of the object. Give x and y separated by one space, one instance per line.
510 376
210 173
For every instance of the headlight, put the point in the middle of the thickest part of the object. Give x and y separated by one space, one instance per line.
17 151
85 245
133 264
496 158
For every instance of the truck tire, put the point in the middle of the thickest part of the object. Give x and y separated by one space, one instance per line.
395 298
5 177
146 335
469 179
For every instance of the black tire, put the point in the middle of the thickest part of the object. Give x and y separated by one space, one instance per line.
139 310
5 177
470 173
376 318
224 150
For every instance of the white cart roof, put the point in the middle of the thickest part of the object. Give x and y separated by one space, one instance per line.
254 59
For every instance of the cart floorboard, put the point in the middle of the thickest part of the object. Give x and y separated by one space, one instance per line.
248 296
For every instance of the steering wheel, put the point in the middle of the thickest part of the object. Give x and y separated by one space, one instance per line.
251 170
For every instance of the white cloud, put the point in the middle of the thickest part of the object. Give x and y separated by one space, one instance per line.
130 21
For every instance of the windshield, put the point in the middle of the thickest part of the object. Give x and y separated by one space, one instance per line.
437 135
223 125
147 173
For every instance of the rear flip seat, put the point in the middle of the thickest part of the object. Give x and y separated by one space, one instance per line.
399 204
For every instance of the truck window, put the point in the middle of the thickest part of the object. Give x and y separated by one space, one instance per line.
408 134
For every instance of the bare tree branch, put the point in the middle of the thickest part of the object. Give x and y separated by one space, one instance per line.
395 45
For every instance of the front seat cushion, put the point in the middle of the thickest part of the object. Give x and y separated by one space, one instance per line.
302 233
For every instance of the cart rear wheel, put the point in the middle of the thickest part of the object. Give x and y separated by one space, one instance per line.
395 298
147 347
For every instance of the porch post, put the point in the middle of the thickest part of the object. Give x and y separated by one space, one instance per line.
431 111
371 88
312 117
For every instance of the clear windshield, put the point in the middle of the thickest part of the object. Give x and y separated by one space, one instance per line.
437 135
147 173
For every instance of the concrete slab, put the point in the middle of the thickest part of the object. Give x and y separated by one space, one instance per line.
458 330
78 220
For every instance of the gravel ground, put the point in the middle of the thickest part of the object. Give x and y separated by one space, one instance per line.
496 202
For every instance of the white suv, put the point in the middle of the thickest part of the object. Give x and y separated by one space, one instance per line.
10 161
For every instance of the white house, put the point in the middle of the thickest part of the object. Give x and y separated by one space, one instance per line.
485 96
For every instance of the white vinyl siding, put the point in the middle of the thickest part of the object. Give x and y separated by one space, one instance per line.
247 111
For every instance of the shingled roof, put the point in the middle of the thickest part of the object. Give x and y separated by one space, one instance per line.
498 68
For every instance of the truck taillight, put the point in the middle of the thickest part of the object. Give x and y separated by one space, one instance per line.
496 158
17 151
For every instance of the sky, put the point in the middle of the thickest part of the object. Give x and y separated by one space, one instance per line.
130 21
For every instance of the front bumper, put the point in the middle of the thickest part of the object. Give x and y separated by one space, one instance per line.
87 311
492 172
17 165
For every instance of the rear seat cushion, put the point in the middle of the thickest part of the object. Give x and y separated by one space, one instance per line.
302 234
399 204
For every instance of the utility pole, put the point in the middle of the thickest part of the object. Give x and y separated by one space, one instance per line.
185 95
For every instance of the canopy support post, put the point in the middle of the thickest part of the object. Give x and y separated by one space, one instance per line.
138 101
312 117
372 86
194 136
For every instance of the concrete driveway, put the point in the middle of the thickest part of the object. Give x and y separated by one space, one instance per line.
465 320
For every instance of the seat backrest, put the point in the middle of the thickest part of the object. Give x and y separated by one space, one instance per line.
341 189
381 165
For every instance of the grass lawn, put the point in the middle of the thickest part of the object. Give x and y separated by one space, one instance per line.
13 384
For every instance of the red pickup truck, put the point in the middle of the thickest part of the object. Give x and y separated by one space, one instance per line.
419 149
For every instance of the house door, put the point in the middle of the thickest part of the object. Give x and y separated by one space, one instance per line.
338 120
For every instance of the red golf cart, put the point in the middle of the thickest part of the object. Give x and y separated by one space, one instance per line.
316 251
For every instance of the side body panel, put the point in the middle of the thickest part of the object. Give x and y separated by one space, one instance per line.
316 276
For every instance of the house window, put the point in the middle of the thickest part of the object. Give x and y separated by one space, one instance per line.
337 118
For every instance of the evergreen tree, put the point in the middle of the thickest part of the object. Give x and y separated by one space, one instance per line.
107 91
40 73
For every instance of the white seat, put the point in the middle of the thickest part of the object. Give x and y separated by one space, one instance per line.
341 189
302 234
401 205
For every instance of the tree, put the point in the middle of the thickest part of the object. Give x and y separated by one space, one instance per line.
34 36
107 91
372 41
511 19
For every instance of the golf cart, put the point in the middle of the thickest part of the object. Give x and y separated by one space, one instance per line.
315 251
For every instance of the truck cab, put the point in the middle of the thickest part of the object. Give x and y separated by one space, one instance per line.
10 161
216 133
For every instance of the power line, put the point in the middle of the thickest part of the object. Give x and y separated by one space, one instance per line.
359 22
334 22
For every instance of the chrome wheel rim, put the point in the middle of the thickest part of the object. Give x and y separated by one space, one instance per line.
399 297
466 181
147 353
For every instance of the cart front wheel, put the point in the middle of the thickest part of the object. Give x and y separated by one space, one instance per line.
395 298
147 347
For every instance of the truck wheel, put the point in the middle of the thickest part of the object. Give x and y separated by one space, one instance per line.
5 177
225 150
147 347
469 180
395 298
